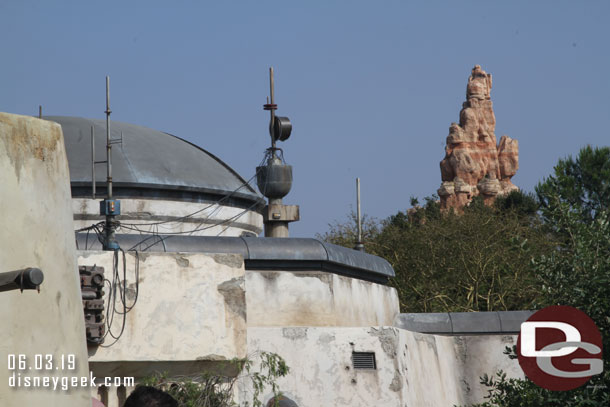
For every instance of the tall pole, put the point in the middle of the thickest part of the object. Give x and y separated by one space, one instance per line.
92 162
359 245
108 144
272 111
109 206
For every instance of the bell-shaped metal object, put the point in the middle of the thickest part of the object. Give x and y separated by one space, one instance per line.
274 180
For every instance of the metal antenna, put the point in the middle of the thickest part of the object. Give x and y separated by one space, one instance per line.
273 106
93 162
108 143
109 207
359 245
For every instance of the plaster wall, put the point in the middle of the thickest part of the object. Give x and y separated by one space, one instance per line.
37 231
190 313
445 370
209 219
289 298
415 370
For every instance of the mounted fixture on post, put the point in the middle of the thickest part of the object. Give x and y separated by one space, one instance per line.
274 179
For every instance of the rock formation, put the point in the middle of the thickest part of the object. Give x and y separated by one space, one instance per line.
474 163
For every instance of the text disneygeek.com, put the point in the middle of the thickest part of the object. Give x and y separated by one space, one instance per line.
20 364
65 383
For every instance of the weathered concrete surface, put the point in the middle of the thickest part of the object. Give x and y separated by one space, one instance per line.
412 369
445 370
37 231
281 298
321 366
206 219
190 312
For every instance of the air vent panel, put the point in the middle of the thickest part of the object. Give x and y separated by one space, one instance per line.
364 360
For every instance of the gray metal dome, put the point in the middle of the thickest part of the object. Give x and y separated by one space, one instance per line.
150 164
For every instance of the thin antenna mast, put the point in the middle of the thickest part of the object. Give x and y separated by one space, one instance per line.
109 207
272 108
359 245
93 162
108 144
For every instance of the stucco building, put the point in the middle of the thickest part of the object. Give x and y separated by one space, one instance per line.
201 287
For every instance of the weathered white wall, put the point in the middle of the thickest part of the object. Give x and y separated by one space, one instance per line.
415 370
190 312
208 220
37 231
445 370
282 298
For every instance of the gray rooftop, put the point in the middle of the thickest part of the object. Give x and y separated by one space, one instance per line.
147 159
261 253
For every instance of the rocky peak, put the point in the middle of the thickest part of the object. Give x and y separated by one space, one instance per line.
474 163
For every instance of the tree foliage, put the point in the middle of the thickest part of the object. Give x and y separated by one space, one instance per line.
217 389
583 184
577 275
476 261
576 207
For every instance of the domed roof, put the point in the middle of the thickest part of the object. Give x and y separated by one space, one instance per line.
149 163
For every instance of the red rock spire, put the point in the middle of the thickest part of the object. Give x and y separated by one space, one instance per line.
474 164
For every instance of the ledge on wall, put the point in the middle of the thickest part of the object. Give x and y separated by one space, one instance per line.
262 253
464 323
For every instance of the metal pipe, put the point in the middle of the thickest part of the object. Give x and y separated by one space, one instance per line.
110 243
272 94
40 111
359 213
359 245
24 279
108 144
92 162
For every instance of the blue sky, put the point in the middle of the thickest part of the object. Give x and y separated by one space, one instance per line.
370 87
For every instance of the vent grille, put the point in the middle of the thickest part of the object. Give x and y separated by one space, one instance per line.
364 360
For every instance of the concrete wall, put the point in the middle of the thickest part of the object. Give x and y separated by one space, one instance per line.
37 231
445 370
415 370
210 219
190 313
282 298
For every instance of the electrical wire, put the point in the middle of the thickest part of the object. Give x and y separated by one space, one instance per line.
115 284
220 201
120 286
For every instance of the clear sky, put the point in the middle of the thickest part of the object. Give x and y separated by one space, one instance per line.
371 87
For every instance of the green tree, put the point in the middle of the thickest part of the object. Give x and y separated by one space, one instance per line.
346 233
476 261
577 273
582 183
